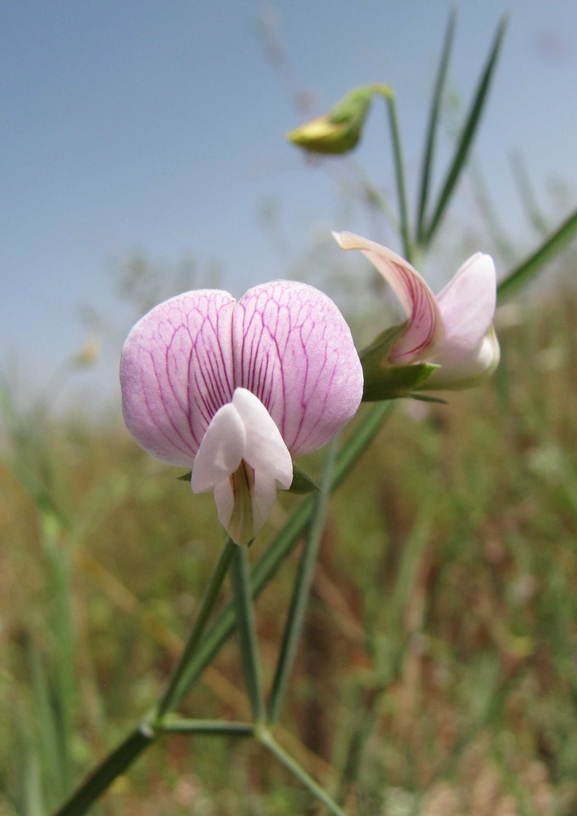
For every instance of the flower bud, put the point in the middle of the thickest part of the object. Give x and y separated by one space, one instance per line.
340 129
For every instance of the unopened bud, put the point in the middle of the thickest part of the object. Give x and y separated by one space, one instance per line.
340 129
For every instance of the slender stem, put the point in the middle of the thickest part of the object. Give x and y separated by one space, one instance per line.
279 548
114 765
302 588
123 756
240 578
529 267
179 725
206 607
433 122
293 766
399 172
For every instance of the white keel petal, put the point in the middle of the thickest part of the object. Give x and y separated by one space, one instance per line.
221 450
265 450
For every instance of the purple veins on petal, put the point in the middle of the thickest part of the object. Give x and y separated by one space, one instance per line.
314 380
176 372
284 343
424 334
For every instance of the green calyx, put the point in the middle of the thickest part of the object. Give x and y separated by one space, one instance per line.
384 381
302 482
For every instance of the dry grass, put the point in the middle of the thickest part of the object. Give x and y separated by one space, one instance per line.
441 638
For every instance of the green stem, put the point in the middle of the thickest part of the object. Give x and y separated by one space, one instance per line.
399 172
272 558
433 124
113 766
206 607
123 756
528 268
240 578
180 725
302 588
294 767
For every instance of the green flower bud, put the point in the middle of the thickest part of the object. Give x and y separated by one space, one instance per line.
340 129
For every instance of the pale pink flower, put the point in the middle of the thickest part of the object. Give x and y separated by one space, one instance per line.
453 329
234 390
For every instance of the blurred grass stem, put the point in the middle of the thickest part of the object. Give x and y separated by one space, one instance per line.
189 672
303 777
240 578
302 587
389 97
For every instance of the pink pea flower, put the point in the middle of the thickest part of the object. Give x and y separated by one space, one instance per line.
235 389
453 329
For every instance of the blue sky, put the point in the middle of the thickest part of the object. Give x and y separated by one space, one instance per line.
158 128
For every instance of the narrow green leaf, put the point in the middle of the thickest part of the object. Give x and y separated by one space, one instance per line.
383 381
47 716
531 266
426 398
114 765
180 725
397 381
467 135
433 123
399 172
240 577
33 795
302 482
293 766
301 591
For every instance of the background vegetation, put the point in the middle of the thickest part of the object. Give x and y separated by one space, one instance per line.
437 669
454 547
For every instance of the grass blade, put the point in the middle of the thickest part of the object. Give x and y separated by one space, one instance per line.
301 774
180 725
240 577
296 615
531 266
400 175
433 122
467 135
115 764
527 195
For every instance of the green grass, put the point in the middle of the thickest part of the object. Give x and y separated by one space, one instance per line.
438 671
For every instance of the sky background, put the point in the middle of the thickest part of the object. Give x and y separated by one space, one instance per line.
158 128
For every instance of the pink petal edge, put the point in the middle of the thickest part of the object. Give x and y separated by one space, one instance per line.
424 335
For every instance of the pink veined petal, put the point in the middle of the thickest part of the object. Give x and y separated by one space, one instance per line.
468 369
294 351
265 450
467 304
176 371
424 334
221 451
